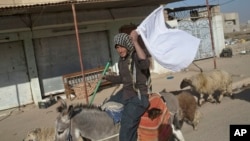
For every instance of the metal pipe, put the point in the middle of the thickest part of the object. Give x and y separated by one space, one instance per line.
79 51
211 32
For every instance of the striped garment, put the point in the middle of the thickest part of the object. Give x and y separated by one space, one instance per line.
124 40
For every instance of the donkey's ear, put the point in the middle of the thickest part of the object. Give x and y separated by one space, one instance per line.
63 103
60 109
163 91
70 111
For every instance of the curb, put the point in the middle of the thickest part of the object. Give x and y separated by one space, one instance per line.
241 83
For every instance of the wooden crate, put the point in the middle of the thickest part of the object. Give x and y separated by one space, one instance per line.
74 84
79 89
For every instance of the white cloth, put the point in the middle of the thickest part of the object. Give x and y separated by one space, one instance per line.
174 49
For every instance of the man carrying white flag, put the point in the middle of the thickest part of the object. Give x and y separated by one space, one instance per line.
173 49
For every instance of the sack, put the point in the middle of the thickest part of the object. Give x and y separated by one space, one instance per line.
159 128
114 110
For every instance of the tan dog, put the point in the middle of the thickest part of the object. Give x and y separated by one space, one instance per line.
41 134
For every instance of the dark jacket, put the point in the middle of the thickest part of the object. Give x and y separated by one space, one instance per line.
125 77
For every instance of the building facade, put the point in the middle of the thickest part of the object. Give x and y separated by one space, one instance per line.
231 22
38 42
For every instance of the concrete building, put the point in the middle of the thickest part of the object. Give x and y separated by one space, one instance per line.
248 24
194 20
38 42
231 22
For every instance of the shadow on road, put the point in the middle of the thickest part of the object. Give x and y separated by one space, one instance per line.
244 94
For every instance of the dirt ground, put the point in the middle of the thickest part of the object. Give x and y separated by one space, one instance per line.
239 35
16 122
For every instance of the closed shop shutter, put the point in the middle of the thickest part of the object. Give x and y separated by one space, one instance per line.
14 81
57 56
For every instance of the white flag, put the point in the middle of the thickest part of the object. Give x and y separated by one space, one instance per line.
174 49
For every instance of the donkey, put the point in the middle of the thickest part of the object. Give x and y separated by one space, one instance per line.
91 123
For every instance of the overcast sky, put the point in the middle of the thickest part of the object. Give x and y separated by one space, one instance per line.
242 7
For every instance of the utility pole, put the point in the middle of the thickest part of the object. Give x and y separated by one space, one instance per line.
211 32
79 50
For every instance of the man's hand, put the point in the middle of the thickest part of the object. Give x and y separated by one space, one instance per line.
134 36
